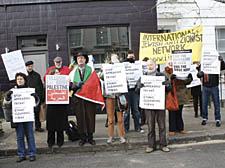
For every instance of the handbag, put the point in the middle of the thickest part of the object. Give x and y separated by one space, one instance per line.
122 103
42 113
172 101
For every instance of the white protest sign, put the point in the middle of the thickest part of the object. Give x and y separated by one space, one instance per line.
181 63
152 95
210 63
133 73
57 89
196 81
115 78
14 63
23 105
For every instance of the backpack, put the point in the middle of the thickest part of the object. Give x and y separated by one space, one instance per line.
72 131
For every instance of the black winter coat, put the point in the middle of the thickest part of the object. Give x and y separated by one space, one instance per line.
34 81
57 119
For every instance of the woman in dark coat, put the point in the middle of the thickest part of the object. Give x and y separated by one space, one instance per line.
57 120
23 129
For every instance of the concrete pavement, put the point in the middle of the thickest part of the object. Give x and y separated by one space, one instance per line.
195 133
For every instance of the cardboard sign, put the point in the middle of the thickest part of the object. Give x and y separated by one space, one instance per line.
14 63
210 63
196 81
23 105
181 63
133 72
152 95
57 89
115 78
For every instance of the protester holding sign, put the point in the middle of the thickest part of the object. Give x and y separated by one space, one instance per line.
23 128
196 91
210 87
133 103
153 115
57 119
176 123
85 110
111 99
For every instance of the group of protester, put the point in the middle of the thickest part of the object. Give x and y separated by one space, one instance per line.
57 117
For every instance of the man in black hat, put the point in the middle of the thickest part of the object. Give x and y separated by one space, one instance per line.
34 81
85 110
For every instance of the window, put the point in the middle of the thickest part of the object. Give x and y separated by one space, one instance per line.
103 36
164 31
32 43
99 41
220 41
76 38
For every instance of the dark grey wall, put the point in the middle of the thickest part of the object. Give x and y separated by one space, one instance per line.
53 19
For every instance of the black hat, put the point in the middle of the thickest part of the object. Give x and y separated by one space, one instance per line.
81 54
29 63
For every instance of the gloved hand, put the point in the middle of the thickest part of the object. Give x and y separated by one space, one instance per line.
37 99
33 94
173 76
70 85
220 58
79 84
165 82
8 95
142 85
200 74
190 76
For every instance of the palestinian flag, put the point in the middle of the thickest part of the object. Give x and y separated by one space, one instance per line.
91 90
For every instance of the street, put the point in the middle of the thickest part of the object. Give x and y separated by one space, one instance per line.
205 155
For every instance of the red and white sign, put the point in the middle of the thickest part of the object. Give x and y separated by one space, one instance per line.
57 89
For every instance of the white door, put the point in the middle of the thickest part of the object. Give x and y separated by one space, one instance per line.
39 60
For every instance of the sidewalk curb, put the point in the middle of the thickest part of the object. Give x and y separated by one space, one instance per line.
133 143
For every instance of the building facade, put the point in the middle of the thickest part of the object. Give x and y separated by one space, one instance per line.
45 29
184 14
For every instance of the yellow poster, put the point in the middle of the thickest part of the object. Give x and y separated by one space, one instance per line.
159 46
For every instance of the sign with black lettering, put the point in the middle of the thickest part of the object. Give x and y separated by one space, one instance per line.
152 95
181 63
133 72
23 105
210 63
115 78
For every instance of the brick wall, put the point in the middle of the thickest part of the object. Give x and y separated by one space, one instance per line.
53 19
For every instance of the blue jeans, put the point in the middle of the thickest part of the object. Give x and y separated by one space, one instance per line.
206 92
133 103
25 128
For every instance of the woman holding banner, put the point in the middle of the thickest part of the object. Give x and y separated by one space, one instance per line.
23 128
57 119
176 123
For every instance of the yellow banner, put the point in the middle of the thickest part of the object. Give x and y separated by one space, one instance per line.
159 46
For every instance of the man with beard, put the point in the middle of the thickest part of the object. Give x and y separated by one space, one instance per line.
153 115
64 70
34 81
